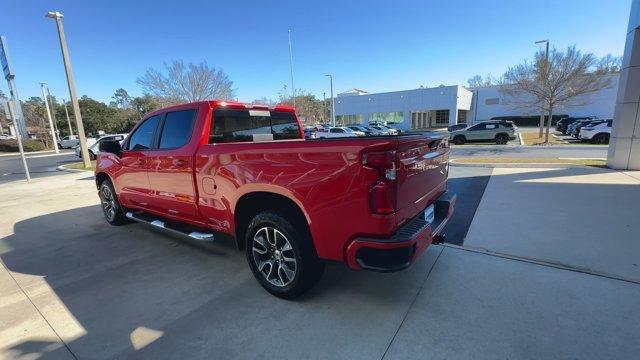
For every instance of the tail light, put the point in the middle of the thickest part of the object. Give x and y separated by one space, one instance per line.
382 194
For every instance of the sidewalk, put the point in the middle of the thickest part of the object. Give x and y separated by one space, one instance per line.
584 218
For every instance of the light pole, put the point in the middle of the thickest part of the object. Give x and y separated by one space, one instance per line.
546 65
72 87
11 113
333 102
53 113
46 105
66 112
293 87
324 106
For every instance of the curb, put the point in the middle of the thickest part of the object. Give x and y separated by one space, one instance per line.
518 165
65 169
520 139
454 163
27 153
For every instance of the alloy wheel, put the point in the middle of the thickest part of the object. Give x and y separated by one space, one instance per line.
274 256
108 203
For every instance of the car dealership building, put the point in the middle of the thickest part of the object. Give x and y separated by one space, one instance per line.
435 107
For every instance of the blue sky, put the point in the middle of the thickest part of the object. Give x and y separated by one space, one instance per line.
374 45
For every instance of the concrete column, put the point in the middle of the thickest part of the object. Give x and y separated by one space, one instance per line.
453 115
624 148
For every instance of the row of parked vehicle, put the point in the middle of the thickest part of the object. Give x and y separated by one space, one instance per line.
351 130
591 129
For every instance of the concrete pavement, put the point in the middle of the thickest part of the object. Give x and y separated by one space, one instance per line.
557 151
581 217
73 287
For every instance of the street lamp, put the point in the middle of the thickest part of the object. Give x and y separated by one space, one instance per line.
293 87
46 105
546 64
333 102
72 87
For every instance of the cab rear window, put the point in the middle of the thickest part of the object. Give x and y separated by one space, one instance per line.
252 125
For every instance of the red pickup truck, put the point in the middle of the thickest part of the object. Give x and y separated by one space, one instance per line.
216 168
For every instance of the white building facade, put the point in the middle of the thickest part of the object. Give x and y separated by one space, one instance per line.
437 107
408 110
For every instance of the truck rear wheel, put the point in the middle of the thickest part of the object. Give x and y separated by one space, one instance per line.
281 255
113 212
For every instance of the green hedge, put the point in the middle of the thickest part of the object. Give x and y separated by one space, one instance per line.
29 145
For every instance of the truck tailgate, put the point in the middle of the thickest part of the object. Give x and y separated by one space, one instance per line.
422 174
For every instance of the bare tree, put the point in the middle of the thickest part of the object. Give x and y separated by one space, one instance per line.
478 81
609 64
562 81
187 83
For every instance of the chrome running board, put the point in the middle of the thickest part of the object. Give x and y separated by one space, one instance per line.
194 235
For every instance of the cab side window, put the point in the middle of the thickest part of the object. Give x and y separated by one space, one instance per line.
142 138
177 129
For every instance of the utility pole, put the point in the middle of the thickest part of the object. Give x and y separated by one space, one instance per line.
546 74
66 112
53 113
12 115
46 105
72 88
333 102
293 87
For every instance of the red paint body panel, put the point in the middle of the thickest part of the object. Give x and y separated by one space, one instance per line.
201 183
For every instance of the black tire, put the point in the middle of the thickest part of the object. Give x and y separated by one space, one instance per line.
307 267
113 212
502 139
601 139
459 140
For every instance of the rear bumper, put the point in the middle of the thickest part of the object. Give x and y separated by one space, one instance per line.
399 251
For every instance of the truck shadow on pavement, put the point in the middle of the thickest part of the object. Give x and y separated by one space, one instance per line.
127 291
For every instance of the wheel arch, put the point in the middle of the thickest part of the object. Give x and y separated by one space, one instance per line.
101 177
251 203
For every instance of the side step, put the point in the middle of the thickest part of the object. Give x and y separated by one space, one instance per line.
148 219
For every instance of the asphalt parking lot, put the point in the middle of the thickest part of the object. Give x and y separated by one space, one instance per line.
74 287
40 165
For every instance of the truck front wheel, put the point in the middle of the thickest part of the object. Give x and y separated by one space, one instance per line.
281 255
111 208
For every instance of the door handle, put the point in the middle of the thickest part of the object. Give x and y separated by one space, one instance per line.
140 162
179 163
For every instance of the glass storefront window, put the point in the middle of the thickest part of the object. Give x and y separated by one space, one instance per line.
395 117
342 120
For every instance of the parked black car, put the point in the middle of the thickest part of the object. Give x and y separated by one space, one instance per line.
576 130
564 123
533 120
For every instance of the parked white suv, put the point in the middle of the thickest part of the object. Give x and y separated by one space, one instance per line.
597 134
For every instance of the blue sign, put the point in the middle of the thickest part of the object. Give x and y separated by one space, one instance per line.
4 58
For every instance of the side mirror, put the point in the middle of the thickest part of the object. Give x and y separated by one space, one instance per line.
111 146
